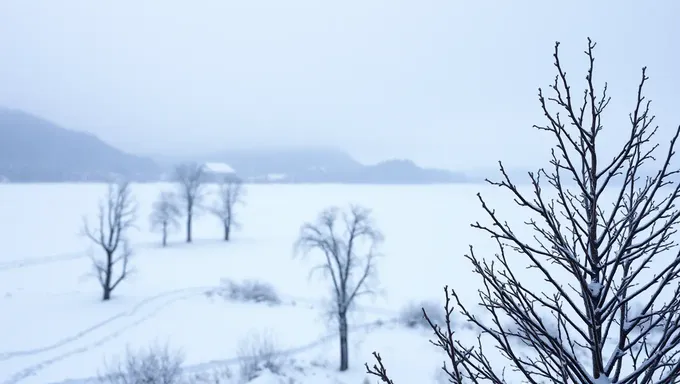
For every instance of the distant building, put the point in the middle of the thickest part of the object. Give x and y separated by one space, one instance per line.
217 172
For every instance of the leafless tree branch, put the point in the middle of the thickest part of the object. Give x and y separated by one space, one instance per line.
230 194
348 241
603 245
165 214
117 213
190 178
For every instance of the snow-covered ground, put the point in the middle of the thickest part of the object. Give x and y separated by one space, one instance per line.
53 326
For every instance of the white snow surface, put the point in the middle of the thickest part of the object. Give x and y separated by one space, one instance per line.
55 329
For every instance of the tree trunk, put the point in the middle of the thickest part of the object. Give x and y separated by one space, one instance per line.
344 353
165 234
107 279
189 217
226 231
107 294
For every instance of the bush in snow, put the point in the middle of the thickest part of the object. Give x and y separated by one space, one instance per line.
220 375
412 314
257 353
247 291
154 365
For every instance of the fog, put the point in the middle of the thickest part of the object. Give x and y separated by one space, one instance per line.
445 83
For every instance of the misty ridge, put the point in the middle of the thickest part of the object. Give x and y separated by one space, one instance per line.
33 149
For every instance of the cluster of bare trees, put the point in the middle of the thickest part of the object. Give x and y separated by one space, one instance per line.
117 214
603 244
189 199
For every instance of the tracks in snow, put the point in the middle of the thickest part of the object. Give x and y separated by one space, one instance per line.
106 330
99 333
112 327
203 367
43 260
38 261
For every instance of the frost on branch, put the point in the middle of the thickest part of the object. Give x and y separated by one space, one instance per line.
600 302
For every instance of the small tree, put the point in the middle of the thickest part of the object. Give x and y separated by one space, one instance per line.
230 193
116 215
609 310
165 214
348 243
190 180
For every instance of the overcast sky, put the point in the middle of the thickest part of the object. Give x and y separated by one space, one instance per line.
445 82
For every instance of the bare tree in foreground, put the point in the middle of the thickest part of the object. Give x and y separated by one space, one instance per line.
231 193
347 240
601 246
116 215
190 179
165 214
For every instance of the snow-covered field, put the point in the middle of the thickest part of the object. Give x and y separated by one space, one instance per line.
54 328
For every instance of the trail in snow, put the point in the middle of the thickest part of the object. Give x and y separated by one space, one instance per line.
101 333
206 366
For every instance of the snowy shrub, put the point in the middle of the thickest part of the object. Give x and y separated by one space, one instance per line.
248 291
153 365
412 314
257 353
220 375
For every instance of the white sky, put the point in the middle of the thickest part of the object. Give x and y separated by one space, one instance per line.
445 82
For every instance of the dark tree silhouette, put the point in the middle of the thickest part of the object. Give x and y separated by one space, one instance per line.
609 308
190 180
230 194
347 241
116 215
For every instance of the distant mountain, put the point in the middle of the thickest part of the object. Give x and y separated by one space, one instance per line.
325 165
406 171
35 150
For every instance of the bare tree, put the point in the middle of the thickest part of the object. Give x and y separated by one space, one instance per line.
348 242
231 193
165 214
609 311
115 217
190 180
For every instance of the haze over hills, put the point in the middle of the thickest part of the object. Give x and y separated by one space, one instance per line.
322 165
33 149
